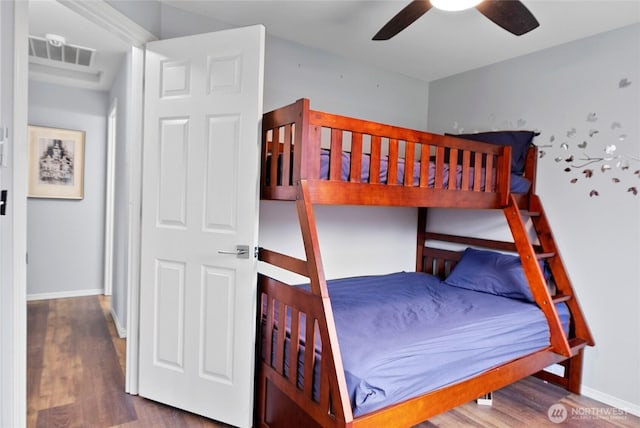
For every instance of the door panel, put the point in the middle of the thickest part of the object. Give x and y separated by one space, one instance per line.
203 106
169 315
172 188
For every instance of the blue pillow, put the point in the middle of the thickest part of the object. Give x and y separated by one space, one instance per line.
519 184
491 272
518 140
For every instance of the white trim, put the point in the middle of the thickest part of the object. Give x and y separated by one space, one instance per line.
104 15
122 332
108 205
13 278
64 294
616 402
19 201
134 144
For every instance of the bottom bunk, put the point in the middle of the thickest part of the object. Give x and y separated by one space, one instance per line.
394 350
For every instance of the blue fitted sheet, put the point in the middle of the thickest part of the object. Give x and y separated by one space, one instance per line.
405 334
519 184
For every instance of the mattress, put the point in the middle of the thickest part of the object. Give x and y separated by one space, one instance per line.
519 184
405 334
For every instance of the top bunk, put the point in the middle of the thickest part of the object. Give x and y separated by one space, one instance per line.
317 153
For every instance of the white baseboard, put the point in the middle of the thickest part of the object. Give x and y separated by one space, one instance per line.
628 407
64 294
122 332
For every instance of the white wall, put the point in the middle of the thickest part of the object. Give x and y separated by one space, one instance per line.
554 91
65 238
354 240
340 85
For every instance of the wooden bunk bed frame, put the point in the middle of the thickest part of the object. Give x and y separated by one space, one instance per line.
293 137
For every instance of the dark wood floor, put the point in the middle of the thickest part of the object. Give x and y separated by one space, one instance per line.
75 371
76 379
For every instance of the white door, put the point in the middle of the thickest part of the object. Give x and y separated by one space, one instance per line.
203 106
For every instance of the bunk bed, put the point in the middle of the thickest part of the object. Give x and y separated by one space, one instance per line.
363 352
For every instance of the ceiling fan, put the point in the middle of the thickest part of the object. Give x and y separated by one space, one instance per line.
511 15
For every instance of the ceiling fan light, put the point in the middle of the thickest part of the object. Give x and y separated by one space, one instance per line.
455 5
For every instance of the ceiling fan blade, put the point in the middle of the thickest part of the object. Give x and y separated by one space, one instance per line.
403 19
511 15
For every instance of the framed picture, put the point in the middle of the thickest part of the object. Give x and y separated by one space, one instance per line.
56 163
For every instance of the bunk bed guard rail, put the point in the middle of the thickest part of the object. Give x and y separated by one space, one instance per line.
342 157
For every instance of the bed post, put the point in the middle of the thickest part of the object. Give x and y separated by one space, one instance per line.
306 151
573 367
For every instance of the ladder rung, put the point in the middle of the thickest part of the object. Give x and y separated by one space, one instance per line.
558 298
527 213
542 256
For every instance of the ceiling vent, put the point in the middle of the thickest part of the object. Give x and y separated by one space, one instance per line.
54 48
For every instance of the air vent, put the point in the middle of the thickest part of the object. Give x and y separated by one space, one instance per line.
57 50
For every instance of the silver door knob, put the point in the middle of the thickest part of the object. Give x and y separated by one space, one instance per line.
241 252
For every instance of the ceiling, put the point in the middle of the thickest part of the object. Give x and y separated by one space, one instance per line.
51 17
437 45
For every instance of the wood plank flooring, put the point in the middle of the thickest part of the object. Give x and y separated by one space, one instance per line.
76 379
75 371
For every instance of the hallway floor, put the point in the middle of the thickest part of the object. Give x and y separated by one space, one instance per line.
75 374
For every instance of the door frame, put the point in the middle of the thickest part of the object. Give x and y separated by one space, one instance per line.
105 16
13 266
112 121
135 137
13 301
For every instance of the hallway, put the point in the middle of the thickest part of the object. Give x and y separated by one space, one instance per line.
75 375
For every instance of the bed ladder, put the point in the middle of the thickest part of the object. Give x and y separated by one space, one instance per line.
546 249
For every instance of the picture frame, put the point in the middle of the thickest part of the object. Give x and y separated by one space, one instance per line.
56 163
